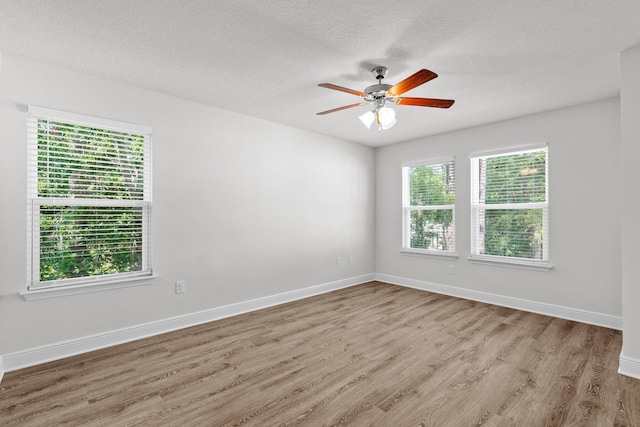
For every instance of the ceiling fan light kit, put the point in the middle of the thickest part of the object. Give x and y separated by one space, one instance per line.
367 118
384 116
379 94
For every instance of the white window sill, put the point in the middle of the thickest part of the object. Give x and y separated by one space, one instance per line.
521 263
429 254
63 291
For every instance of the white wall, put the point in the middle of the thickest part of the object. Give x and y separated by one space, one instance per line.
584 160
630 125
243 208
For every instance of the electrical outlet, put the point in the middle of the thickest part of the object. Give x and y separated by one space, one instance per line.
452 269
350 259
180 287
338 261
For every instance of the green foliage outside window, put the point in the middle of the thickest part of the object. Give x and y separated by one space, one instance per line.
78 163
517 178
80 241
513 233
432 185
513 179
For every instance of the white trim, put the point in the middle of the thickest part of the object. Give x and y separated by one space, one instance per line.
629 366
428 253
88 120
522 263
428 162
35 356
38 355
57 201
431 208
86 287
513 206
477 206
583 316
35 202
511 150
407 208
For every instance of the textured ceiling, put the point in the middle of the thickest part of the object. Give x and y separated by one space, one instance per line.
498 59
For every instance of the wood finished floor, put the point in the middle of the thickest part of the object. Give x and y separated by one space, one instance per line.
374 354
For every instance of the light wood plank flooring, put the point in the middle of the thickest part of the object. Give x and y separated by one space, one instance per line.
374 354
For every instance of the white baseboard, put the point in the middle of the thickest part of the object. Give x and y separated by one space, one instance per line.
34 356
629 366
592 318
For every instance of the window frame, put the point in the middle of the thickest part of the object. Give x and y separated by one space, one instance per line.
36 288
407 209
476 207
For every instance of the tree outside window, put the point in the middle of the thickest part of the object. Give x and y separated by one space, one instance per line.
89 201
428 206
510 205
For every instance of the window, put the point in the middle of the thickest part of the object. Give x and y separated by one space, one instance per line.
89 200
510 207
428 205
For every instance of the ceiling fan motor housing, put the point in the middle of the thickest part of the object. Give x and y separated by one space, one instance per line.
378 91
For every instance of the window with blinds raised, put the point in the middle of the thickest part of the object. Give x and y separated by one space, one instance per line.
510 207
89 200
428 207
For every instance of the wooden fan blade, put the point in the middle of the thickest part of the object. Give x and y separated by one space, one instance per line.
425 102
412 81
340 108
342 89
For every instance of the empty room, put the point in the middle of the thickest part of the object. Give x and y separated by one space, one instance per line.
242 212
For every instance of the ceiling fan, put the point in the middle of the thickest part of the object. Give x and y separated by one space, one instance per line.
379 94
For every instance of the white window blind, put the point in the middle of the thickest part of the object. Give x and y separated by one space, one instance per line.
510 206
89 199
428 207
